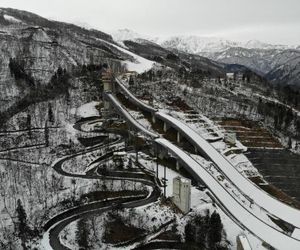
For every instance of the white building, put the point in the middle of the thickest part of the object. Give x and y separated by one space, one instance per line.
182 193
242 243
230 76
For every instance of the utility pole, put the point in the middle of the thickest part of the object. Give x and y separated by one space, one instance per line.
136 148
156 160
165 180
107 149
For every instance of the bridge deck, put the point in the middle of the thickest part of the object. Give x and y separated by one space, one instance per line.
135 100
128 117
260 197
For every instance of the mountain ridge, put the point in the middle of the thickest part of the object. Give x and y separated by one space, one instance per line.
264 58
196 44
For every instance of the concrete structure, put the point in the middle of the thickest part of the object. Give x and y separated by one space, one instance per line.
107 86
230 138
182 193
230 76
135 100
242 215
178 137
119 157
128 117
242 243
166 127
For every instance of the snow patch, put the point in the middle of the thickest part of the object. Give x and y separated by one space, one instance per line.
86 110
11 19
139 65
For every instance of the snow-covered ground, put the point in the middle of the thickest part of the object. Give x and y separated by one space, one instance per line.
26 173
11 19
253 223
236 160
272 205
86 110
139 64
200 202
128 117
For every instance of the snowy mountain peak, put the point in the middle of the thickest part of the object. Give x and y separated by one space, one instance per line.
191 44
194 44
256 44
121 35
197 44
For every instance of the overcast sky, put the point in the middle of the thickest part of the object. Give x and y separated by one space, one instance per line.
274 21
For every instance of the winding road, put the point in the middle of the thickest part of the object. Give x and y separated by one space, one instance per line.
254 223
228 203
55 225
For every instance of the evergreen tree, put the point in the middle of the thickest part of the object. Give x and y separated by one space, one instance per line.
189 232
28 125
131 81
46 134
82 234
23 228
215 230
68 98
50 114
196 231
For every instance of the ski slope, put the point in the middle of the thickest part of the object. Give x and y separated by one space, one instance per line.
260 197
256 226
128 117
135 100
251 222
140 64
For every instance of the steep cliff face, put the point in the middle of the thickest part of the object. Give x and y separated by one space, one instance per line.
280 66
256 59
286 73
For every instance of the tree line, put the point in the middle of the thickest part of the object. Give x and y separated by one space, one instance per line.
205 232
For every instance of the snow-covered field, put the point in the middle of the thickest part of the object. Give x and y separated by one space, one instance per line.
86 110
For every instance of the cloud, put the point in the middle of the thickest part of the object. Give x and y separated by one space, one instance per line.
236 18
274 33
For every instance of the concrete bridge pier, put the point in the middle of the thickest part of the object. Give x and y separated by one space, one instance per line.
108 87
166 126
153 117
178 137
177 165
196 150
130 136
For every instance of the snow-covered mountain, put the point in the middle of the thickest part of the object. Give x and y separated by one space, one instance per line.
189 44
287 72
260 60
279 65
36 47
195 44
256 44
122 35
264 58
